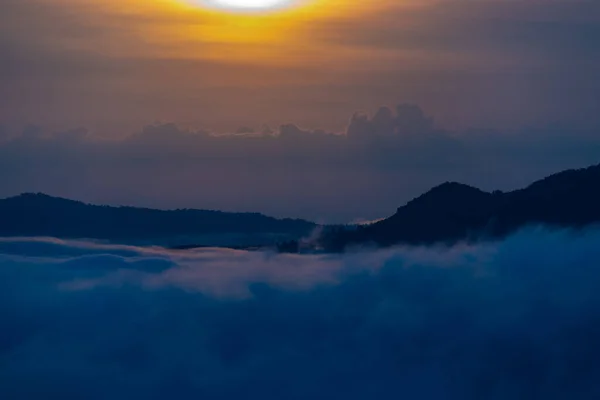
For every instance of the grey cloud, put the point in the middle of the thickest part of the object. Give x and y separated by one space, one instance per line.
408 119
382 162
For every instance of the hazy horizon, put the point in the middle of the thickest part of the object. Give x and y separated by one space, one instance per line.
377 164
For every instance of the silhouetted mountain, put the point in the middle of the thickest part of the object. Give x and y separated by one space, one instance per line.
453 212
43 215
447 213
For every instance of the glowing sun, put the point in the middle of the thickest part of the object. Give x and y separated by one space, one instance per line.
249 5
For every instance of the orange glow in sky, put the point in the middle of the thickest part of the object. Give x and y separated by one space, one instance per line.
266 32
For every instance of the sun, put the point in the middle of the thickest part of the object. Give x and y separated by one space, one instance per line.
248 5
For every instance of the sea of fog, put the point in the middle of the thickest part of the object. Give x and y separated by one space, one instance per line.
517 319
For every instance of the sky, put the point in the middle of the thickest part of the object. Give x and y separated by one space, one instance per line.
99 98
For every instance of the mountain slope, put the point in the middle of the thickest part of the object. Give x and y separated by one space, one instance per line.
42 215
452 212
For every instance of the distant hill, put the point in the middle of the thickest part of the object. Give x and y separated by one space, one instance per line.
448 213
454 212
42 215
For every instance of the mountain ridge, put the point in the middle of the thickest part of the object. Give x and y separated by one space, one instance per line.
39 214
453 212
447 213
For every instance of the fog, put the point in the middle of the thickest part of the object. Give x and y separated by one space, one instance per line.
517 319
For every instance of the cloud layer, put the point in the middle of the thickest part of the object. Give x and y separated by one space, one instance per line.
517 319
381 161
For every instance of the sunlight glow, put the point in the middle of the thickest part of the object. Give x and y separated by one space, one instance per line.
248 5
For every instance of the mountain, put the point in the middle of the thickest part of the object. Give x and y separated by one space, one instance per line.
455 212
448 213
42 215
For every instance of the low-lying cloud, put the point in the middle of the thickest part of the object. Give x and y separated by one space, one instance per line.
518 319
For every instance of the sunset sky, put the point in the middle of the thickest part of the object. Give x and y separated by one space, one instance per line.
111 69
121 64
417 228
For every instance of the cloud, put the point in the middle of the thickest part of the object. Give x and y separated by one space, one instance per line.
408 119
384 160
515 319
